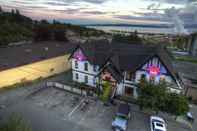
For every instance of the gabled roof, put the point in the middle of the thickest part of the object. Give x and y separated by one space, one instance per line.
111 67
125 57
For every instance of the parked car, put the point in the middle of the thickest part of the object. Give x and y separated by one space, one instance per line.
157 124
190 117
121 118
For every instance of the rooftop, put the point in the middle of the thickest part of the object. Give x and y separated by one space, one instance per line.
125 57
19 55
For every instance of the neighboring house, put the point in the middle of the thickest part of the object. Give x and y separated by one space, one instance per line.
123 65
191 88
193 45
27 62
188 73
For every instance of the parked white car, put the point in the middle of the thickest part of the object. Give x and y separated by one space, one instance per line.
157 124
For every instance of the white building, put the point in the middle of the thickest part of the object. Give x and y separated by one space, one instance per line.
123 65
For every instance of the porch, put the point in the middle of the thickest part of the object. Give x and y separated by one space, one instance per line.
127 90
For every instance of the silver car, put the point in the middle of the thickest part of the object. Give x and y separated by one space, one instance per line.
121 118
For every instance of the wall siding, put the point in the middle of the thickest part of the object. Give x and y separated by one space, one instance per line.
154 62
34 71
82 73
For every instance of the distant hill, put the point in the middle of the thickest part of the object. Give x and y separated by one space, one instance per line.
144 25
15 27
135 25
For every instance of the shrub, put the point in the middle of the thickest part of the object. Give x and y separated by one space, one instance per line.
158 98
106 92
15 123
176 104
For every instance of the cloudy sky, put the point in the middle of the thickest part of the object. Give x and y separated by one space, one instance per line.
106 11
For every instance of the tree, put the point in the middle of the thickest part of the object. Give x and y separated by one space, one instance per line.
42 33
152 96
176 104
17 12
44 22
60 35
158 98
15 123
1 10
12 11
132 38
106 92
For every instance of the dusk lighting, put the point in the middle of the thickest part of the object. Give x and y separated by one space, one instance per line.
98 65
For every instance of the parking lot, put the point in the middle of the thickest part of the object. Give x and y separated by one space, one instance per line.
52 109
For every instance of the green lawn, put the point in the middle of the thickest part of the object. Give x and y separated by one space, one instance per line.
187 59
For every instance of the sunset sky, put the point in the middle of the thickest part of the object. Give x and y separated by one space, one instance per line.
105 11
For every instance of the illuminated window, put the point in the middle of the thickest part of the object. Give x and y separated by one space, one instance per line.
162 79
152 79
153 70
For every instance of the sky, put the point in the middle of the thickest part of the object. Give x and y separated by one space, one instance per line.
106 11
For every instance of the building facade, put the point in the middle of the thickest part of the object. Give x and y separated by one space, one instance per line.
121 67
193 45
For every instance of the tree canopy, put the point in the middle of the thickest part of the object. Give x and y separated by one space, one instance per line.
159 98
131 38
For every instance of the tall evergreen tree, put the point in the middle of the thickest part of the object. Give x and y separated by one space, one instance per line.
1 10
17 12
12 11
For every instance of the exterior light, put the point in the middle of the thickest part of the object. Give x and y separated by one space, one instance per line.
153 70
79 56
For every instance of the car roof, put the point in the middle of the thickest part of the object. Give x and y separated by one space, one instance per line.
157 118
159 126
123 109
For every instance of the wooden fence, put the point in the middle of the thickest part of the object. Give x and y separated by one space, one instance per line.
72 89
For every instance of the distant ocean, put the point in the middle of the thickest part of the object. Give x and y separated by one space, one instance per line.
155 30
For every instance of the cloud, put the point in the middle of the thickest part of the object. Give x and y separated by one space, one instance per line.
77 1
186 9
94 12
173 1
56 3
95 1
68 11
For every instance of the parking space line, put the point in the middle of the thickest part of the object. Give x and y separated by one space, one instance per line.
69 115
